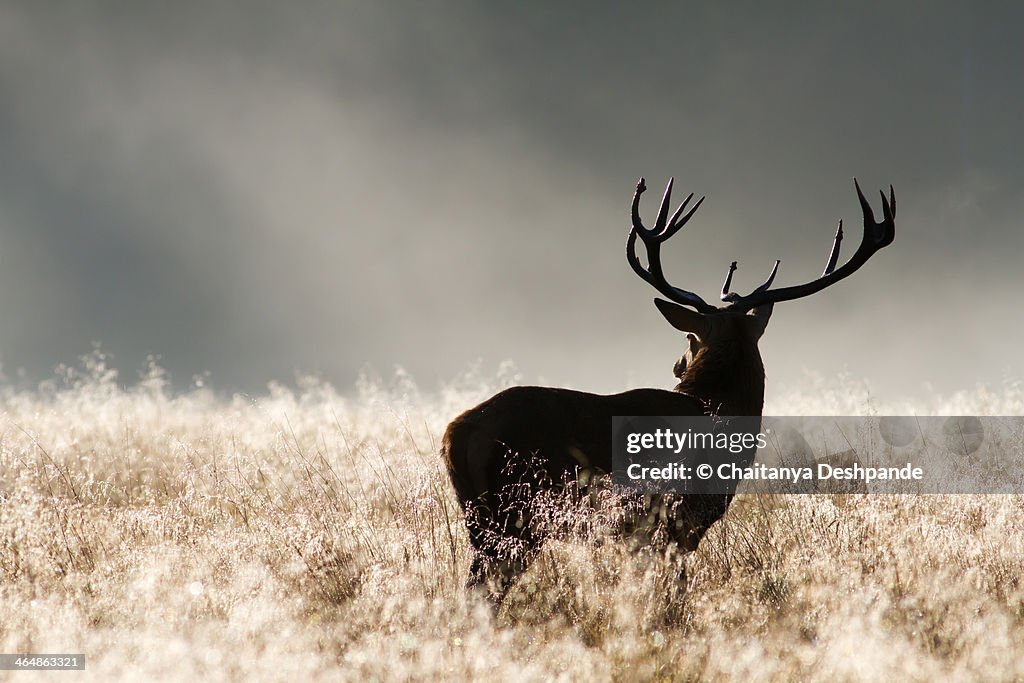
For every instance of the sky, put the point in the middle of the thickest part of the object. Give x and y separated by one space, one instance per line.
261 190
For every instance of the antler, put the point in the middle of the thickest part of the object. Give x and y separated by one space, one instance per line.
733 296
663 229
876 236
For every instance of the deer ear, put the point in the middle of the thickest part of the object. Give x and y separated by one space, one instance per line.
682 318
760 316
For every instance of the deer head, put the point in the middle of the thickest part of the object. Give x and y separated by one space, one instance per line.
722 341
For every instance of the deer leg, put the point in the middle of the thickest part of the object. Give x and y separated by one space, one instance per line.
504 545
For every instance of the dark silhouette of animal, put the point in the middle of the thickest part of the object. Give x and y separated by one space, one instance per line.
525 442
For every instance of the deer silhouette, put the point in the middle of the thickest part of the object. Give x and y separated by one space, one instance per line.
507 453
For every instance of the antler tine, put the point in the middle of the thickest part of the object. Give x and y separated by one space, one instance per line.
726 294
676 222
652 239
833 258
763 287
864 205
641 186
888 205
876 236
661 224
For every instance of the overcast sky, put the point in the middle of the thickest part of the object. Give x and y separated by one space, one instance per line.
260 189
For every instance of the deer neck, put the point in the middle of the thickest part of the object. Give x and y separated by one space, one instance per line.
729 379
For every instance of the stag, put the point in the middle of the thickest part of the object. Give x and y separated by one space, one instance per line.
526 442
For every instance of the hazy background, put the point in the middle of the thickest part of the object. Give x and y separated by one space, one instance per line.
259 189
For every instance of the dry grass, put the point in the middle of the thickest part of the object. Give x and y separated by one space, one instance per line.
303 535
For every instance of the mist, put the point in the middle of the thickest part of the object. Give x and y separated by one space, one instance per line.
254 191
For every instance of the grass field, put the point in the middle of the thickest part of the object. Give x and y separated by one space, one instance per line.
306 535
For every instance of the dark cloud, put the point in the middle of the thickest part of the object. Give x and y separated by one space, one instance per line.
259 189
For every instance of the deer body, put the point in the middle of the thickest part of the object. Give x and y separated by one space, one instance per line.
501 453
505 453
